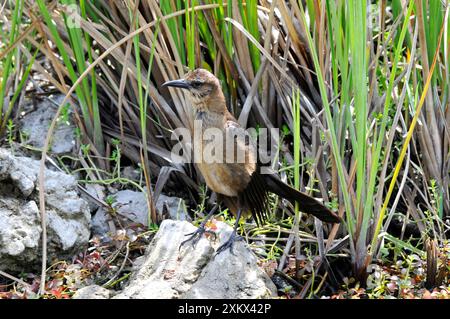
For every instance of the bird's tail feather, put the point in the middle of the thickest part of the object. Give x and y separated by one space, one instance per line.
307 204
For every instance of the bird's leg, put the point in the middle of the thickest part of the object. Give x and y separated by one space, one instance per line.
229 243
197 234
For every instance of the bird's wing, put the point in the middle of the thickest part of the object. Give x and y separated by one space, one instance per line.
252 196
240 146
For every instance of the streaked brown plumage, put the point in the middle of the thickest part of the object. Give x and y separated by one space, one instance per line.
239 185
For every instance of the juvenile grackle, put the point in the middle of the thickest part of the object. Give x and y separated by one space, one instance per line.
238 182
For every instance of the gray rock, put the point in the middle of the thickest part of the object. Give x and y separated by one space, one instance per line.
68 215
131 172
174 206
230 276
132 207
96 191
168 272
100 223
35 125
92 292
20 232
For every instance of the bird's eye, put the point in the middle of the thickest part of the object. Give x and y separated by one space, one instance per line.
196 84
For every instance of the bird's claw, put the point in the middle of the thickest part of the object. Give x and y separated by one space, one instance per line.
196 235
229 243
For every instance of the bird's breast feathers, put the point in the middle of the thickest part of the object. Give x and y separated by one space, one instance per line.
225 179
228 153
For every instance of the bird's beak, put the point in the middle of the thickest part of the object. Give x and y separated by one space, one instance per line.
182 83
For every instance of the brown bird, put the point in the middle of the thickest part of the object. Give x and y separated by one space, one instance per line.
238 182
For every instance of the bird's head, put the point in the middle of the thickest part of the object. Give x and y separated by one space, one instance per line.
202 85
